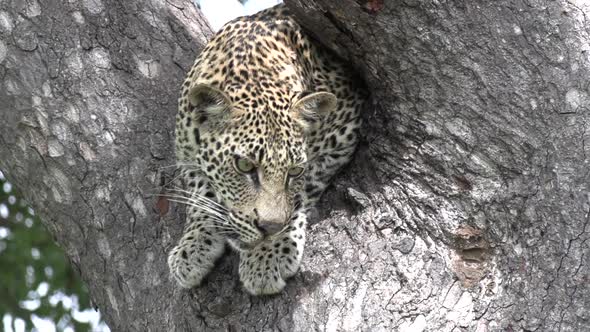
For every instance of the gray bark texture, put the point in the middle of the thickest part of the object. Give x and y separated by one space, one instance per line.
467 206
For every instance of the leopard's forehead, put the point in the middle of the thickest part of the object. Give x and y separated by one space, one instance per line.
255 64
269 137
255 61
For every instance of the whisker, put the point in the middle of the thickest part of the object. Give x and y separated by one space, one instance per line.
213 227
222 230
201 197
167 166
181 163
216 228
180 166
192 193
171 181
225 232
219 215
205 207
199 204
213 209
283 231
196 204
219 227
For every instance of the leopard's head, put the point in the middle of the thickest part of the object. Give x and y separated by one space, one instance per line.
252 148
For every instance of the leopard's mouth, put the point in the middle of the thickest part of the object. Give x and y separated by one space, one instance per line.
247 238
241 245
238 243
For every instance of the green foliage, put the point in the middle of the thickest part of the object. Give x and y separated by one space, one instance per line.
35 277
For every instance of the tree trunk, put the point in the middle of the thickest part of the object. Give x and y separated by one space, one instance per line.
467 205
474 179
88 100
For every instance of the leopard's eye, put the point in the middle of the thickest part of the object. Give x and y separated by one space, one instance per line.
244 165
296 171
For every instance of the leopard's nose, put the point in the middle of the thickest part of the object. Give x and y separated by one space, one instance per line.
270 220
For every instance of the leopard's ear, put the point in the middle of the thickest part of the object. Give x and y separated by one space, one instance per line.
313 107
208 99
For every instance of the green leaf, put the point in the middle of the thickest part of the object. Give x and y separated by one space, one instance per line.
20 282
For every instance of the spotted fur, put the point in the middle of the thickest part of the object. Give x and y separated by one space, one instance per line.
264 92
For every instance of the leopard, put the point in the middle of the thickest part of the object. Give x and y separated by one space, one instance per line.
266 117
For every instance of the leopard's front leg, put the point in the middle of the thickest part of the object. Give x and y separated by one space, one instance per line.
198 249
264 269
202 242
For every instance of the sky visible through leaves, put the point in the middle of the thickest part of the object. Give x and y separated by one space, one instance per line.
39 290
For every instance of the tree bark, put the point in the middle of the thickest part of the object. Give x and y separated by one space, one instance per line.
474 179
88 100
466 207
